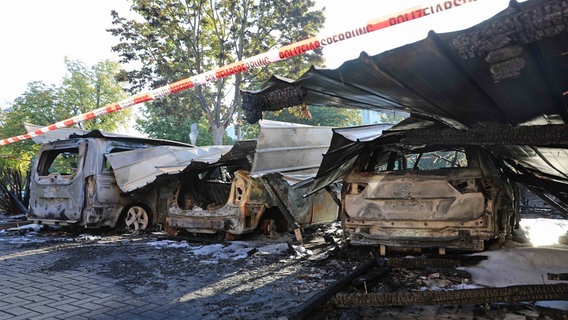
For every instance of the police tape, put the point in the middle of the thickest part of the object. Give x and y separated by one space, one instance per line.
260 60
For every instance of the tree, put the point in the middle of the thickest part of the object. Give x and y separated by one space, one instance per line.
317 116
183 128
85 88
392 117
175 39
82 89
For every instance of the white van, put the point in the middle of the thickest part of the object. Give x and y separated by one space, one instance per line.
73 184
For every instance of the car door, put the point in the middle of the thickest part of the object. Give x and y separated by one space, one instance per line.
57 184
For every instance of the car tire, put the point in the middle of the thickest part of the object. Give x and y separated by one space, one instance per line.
137 217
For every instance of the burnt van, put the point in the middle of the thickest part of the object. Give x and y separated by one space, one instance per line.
73 184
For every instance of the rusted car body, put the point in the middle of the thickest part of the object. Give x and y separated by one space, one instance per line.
428 197
73 184
243 204
258 187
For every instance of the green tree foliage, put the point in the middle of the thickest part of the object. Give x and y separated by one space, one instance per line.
205 136
82 89
86 88
34 106
392 117
14 190
183 128
176 39
317 116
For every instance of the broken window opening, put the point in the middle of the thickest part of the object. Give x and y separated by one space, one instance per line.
207 190
438 160
63 162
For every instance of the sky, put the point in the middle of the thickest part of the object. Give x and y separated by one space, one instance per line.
37 35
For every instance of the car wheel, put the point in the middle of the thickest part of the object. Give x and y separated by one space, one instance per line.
137 218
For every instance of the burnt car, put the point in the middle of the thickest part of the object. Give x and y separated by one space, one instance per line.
73 184
258 184
451 197
231 203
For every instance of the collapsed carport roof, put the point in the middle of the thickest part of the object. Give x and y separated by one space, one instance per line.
508 73
532 156
293 150
509 69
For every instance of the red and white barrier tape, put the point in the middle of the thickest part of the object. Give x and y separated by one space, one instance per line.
284 52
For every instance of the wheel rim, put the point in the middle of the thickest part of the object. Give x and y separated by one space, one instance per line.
136 218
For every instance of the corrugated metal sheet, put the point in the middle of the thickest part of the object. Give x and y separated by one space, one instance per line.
288 148
509 69
137 168
284 147
240 155
50 136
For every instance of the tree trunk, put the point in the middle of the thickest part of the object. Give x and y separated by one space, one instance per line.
218 133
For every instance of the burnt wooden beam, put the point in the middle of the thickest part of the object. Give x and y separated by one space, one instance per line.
518 293
305 309
553 135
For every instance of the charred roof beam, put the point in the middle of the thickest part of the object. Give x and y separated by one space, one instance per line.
554 136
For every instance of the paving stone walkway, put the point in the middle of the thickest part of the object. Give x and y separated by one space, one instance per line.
31 290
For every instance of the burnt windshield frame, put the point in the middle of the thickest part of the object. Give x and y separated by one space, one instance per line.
398 159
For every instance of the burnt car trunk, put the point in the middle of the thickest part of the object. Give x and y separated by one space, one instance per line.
58 190
457 199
